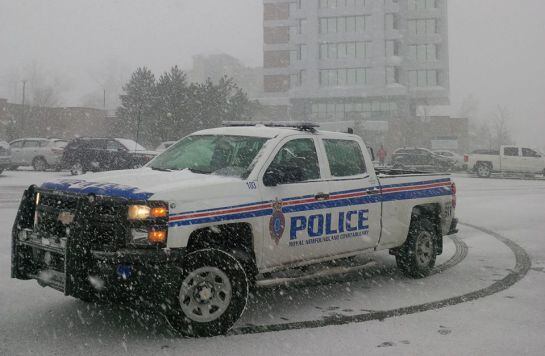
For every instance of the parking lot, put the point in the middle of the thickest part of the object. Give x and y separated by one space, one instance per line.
488 284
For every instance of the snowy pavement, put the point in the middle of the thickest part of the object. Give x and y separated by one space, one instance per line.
317 318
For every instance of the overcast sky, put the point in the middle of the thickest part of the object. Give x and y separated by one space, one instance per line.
497 47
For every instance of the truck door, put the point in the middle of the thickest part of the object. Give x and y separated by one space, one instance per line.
510 160
292 182
353 218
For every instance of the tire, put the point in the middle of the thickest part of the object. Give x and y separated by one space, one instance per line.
483 170
39 164
1 170
417 256
77 169
210 294
13 168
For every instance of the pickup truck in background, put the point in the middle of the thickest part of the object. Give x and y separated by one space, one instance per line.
509 159
223 211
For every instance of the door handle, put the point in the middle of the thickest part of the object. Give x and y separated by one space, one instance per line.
373 192
322 196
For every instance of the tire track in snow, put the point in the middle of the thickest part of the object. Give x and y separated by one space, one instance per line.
521 268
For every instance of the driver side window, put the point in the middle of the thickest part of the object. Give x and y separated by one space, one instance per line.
297 160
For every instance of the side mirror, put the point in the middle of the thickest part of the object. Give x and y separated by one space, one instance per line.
272 177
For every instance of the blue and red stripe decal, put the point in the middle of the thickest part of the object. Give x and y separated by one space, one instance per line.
405 191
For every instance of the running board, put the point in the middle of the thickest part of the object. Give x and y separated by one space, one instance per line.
327 272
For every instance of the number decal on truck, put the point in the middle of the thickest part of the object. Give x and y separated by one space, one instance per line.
251 185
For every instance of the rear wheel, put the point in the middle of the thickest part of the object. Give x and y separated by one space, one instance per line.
39 164
484 170
417 256
211 294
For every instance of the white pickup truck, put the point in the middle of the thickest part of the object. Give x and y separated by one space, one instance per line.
220 212
509 159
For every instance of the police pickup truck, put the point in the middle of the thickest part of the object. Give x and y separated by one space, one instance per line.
218 213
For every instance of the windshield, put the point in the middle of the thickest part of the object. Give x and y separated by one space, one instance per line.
131 145
211 154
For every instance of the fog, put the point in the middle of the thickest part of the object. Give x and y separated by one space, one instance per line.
497 50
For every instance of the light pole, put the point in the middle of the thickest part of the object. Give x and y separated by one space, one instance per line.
23 108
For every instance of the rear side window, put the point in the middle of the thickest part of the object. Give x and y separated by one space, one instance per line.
526 152
17 144
31 144
345 158
511 151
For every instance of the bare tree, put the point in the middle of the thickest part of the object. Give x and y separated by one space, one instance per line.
501 132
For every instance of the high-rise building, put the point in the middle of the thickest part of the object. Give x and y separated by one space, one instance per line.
370 62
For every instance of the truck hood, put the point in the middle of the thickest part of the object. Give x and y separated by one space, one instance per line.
135 184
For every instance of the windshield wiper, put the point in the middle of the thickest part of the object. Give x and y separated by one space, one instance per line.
161 169
199 171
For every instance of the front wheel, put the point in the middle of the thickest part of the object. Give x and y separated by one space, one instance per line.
39 164
417 256
211 294
77 169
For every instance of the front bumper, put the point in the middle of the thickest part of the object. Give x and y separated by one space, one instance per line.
72 266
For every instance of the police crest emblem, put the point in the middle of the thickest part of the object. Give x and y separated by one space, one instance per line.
277 223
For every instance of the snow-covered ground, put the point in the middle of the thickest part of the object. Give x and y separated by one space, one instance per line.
34 320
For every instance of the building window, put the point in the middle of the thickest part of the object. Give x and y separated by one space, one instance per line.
343 77
350 110
342 4
342 50
299 53
391 22
423 52
297 79
343 24
392 75
423 78
300 28
295 5
392 48
422 26
423 4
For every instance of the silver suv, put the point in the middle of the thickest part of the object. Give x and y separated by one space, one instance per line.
40 153
5 156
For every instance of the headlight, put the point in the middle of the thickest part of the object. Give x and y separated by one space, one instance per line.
143 212
139 212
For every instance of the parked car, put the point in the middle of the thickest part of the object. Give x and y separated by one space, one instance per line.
456 159
40 153
104 154
164 145
509 159
5 156
420 159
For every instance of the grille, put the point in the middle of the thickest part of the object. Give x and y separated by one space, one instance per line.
99 225
4 152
